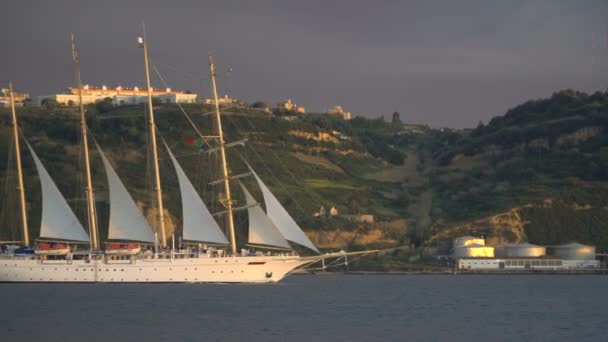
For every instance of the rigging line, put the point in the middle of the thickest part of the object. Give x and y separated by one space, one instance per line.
189 76
288 193
200 134
9 198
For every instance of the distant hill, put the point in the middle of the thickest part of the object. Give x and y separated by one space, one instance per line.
538 173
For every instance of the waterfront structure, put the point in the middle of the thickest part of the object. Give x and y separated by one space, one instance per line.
119 96
473 251
525 264
520 250
337 110
471 254
468 240
573 251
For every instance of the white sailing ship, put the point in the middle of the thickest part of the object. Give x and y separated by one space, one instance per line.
67 252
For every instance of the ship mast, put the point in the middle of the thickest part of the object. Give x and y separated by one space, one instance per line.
152 127
227 200
92 215
20 187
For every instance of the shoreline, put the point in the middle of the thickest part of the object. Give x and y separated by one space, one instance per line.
459 272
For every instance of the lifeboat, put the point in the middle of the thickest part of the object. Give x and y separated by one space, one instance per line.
51 249
123 249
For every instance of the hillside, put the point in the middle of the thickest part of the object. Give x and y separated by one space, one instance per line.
538 173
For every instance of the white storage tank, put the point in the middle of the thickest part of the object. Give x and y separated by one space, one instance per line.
520 250
574 251
468 240
473 251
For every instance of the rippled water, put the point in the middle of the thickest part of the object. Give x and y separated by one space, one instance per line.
314 308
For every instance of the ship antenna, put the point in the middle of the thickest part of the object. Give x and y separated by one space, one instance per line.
227 201
20 187
143 42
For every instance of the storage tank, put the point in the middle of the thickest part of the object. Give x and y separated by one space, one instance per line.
468 240
574 251
520 250
473 251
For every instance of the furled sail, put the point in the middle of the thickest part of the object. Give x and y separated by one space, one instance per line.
262 231
126 220
281 218
58 219
198 223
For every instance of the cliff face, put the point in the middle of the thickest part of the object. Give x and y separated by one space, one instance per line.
497 229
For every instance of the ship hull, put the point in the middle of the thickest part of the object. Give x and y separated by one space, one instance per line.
260 269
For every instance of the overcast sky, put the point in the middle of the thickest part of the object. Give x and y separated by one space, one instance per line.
444 63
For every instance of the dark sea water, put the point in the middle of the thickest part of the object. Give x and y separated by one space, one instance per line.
314 308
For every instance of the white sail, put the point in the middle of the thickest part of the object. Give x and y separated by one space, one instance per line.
198 223
281 218
58 220
262 231
126 220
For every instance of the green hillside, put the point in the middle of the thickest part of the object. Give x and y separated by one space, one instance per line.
538 173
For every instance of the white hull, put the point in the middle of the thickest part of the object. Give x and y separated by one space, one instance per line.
250 269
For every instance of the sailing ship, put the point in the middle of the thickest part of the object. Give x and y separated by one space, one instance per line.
67 252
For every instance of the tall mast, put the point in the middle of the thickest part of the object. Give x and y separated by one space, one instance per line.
152 127
20 187
91 212
227 199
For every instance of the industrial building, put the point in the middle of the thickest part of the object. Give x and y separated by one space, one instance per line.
471 254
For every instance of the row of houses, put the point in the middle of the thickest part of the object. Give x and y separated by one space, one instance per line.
292 107
119 96
128 96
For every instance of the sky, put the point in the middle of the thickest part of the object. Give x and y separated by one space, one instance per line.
442 63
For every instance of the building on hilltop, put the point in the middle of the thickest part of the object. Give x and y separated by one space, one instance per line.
290 106
337 110
119 95
222 101
5 99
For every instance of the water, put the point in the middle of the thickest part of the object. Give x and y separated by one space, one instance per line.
314 308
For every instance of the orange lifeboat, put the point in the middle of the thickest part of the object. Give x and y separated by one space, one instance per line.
51 249
123 248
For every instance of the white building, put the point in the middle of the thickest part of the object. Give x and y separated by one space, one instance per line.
119 96
337 110
223 101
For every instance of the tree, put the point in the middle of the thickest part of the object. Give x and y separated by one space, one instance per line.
49 104
156 101
396 119
259 104
104 105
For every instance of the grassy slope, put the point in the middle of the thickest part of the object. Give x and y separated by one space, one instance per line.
422 180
